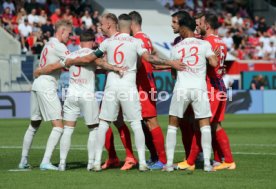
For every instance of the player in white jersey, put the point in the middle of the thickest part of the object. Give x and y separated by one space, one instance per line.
81 99
44 100
191 88
122 50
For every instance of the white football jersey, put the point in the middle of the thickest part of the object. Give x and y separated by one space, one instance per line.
82 78
122 50
193 53
52 52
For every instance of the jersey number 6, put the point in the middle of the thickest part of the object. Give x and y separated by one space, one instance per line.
118 53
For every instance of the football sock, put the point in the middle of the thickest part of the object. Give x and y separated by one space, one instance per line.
126 140
51 144
103 127
109 144
139 138
224 145
65 143
216 150
149 142
187 135
91 144
206 143
158 140
170 144
195 148
27 143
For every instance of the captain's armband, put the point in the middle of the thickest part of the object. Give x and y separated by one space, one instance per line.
98 53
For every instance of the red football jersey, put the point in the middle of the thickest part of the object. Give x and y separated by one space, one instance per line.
145 80
215 42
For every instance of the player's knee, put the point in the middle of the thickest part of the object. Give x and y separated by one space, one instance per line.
152 123
203 122
173 120
35 124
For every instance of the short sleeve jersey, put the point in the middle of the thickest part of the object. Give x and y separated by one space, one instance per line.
122 50
52 52
82 78
193 53
145 79
215 42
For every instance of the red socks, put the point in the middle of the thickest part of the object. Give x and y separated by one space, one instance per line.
109 144
187 135
195 148
224 145
126 140
158 140
149 142
216 149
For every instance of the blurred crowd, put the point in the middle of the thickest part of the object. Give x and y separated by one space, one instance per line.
246 35
32 21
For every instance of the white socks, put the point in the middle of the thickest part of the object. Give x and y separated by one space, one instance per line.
170 144
103 127
27 143
139 140
51 144
91 144
65 143
206 143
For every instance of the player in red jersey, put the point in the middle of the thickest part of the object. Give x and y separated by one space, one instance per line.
187 122
207 25
146 86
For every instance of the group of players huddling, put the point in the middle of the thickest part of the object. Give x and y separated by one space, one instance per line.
197 59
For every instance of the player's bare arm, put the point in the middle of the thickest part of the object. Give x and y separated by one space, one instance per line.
161 67
213 60
80 60
103 64
48 69
177 64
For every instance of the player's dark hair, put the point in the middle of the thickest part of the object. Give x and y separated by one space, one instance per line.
135 17
125 17
87 36
212 20
185 19
199 15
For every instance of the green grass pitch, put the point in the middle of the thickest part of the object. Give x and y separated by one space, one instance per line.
253 142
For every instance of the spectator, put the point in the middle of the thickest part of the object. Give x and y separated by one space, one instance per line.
48 27
24 29
75 20
73 46
29 6
228 40
42 18
21 16
237 20
271 51
95 17
80 29
7 18
56 16
257 83
265 40
222 30
260 51
33 17
67 15
87 19
262 27
9 3
54 6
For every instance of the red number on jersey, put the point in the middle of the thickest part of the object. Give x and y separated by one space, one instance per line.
182 51
43 58
78 73
116 53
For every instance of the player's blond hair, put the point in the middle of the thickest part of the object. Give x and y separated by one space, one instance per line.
63 23
111 16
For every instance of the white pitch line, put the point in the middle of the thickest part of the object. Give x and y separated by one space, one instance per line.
122 149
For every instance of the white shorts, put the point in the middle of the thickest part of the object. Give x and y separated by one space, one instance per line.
126 98
45 105
196 97
74 106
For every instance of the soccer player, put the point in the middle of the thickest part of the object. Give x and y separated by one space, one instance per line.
187 122
44 99
122 50
190 88
208 26
81 99
146 86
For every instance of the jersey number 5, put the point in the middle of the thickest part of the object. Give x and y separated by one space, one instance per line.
194 53
118 53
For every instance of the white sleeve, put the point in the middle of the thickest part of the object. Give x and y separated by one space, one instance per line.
140 47
61 52
172 54
103 46
209 51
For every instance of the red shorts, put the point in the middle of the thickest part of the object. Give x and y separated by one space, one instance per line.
148 104
217 99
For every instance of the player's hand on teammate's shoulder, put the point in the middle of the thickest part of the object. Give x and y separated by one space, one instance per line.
217 51
177 64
